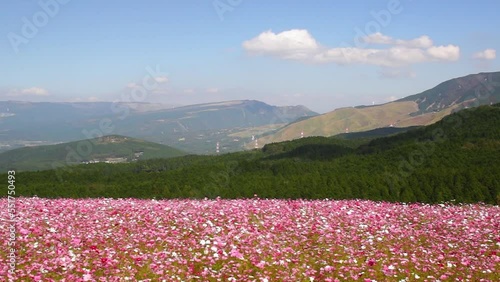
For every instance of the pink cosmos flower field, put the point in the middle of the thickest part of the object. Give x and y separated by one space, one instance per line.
251 240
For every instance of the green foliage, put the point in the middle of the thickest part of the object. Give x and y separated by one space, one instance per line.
456 159
374 133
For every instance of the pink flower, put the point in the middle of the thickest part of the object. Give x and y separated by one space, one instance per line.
235 253
23 231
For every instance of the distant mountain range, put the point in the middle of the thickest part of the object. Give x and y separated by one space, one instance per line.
195 128
107 149
421 109
234 125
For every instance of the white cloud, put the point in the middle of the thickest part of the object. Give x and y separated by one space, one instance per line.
161 91
36 91
291 44
423 41
300 45
161 79
444 53
157 79
378 38
420 42
393 57
488 54
33 91
213 90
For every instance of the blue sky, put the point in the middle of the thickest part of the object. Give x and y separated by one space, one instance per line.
322 54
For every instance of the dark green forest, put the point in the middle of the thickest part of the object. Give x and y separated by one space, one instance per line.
454 160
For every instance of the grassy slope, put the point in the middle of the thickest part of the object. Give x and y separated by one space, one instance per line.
336 122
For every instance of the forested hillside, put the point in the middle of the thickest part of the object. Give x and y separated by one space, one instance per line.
456 159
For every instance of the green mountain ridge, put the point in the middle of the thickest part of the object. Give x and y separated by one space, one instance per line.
472 90
112 148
